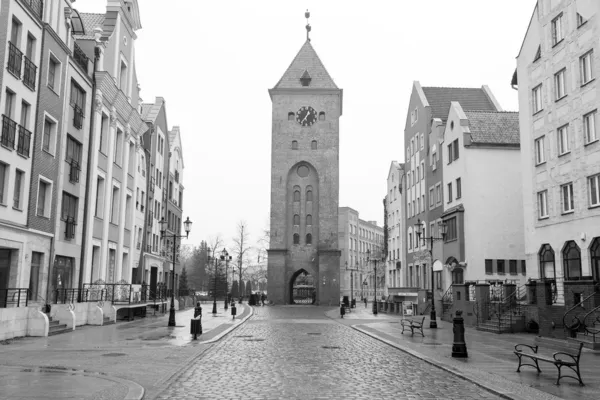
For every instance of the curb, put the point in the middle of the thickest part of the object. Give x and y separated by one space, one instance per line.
135 391
428 360
231 328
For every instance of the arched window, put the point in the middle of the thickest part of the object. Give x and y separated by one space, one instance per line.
595 258
572 260
313 145
296 193
308 238
309 196
458 276
547 265
296 238
322 116
296 219
294 145
309 220
290 116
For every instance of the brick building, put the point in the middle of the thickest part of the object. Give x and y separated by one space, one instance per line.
307 106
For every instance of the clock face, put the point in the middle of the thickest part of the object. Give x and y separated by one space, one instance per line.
306 116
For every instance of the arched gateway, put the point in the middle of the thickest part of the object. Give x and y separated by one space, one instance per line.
307 106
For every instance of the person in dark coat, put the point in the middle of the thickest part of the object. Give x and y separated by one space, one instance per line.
262 298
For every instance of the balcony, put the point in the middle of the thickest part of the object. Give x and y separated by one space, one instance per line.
29 74
9 128
15 58
24 142
80 58
37 6
74 169
70 225
77 116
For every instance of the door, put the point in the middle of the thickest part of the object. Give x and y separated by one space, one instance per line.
153 281
60 280
4 274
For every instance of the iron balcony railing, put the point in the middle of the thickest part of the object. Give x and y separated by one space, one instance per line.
37 6
9 128
74 169
29 74
24 142
14 297
70 225
80 58
15 59
77 116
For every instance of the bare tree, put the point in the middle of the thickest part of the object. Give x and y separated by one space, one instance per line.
241 249
214 243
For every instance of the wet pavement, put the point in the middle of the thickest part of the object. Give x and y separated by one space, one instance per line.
120 361
296 352
491 361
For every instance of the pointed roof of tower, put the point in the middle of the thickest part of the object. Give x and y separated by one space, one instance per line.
306 62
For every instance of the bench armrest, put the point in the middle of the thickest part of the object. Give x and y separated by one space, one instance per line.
575 358
533 348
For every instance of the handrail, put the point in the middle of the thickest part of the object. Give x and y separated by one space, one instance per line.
448 295
576 323
16 294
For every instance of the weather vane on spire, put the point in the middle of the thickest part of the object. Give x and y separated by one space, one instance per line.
307 15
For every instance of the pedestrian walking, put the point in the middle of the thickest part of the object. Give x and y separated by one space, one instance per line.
365 302
262 299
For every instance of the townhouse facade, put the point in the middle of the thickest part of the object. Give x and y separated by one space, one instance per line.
556 79
356 237
395 225
483 207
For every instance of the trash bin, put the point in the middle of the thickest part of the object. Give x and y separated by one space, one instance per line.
196 327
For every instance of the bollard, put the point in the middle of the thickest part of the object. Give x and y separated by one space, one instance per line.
233 309
459 347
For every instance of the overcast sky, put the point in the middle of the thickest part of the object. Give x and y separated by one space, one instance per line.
213 62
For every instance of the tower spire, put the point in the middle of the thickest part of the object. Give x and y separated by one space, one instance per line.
307 16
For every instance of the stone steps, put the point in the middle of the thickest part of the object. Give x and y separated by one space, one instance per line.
56 328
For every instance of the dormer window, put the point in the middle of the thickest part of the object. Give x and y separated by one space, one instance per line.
305 79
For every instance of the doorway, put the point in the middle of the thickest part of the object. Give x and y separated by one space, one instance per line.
153 281
302 288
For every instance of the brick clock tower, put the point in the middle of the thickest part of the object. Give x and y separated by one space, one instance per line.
305 148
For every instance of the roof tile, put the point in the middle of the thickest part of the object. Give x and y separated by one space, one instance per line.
439 99
500 127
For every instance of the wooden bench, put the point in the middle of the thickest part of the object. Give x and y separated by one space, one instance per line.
412 325
559 359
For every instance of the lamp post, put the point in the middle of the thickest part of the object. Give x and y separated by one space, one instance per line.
351 281
419 228
214 259
375 259
187 225
225 257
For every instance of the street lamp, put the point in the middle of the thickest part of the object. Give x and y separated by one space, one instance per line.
225 257
419 229
187 226
209 259
375 259
351 282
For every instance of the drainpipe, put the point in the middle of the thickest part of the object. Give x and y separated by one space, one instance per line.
89 168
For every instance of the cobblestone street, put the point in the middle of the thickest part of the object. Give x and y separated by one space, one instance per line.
298 353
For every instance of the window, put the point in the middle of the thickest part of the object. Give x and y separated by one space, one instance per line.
322 116
290 116
118 150
559 84
422 141
17 198
455 148
547 266
296 195
557 31
104 134
44 197
431 198
540 155
451 233
49 134
438 193
542 199
595 258
580 20
458 188
538 54
409 181
450 153
523 267
296 238
572 260
53 68
407 154
100 198
586 64
438 280
123 77
500 267
308 238
594 190
294 145
563 140
69 207
422 170
568 204
296 219
488 267
512 267
114 212
537 99
309 195
313 145
450 192
77 102
589 127
309 219
73 150
3 182
418 173
410 241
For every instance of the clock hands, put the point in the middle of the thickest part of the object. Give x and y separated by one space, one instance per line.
306 116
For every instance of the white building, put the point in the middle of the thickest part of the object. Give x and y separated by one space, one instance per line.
557 75
395 226
483 207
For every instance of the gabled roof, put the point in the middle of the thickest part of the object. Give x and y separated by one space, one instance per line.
90 21
150 110
499 128
306 60
439 99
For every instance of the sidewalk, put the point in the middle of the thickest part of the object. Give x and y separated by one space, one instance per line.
127 360
491 362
